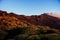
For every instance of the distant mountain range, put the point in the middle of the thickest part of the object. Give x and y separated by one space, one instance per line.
11 20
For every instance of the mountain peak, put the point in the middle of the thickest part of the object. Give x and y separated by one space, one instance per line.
2 13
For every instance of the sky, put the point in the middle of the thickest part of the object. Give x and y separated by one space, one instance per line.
30 7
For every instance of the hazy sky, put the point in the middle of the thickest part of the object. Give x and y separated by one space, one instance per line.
30 7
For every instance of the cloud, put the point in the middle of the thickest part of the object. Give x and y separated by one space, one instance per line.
54 14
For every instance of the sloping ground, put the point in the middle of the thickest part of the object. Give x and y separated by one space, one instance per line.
35 27
10 20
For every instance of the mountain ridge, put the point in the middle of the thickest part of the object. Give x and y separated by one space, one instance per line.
12 20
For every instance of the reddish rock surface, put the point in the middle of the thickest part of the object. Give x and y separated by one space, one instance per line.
11 20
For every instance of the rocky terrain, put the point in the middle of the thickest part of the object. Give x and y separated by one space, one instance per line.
11 22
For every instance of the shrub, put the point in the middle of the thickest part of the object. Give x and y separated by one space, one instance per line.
21 37
3 34
41 31
15 31
54 37
33 37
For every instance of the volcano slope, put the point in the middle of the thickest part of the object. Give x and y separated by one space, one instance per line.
11 20
13 24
